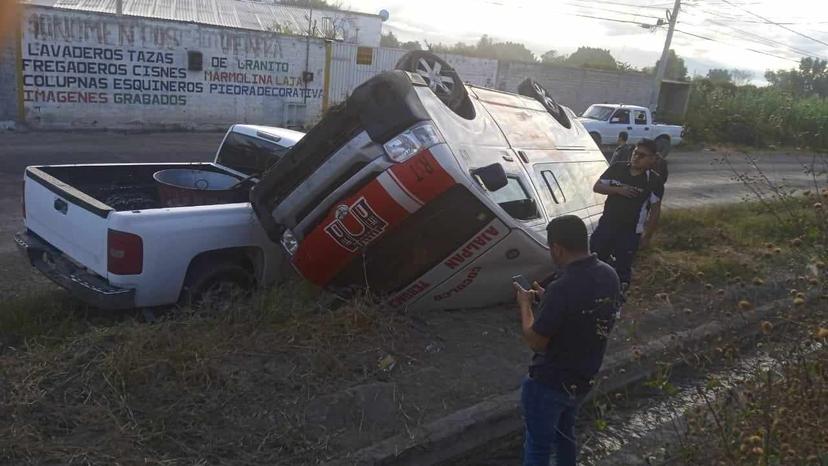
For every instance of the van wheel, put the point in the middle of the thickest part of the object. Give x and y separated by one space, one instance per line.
215 286
440 77
597 138
531 88
663 145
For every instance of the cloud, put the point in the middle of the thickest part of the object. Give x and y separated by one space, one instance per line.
542 25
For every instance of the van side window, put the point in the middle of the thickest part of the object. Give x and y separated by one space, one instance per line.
553 186
565 183
515 200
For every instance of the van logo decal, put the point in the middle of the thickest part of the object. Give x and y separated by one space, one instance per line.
369 226
341 212
470 277
476 243
410 293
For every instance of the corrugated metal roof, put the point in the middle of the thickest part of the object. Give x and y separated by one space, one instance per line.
230 13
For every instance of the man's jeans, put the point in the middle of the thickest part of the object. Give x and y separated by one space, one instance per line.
549 416
616 248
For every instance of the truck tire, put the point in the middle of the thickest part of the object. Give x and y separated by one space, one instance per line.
216 284
663 145
440 77
597 138
531 88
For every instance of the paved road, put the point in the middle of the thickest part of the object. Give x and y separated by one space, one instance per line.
694 180
699 178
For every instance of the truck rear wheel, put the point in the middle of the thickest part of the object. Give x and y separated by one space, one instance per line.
663 145
215 286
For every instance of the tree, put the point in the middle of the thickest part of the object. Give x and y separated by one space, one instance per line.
719 75
411 45
486 47
741 77
507 51
590 57
675 67
552 57
389 40
624 66
811 78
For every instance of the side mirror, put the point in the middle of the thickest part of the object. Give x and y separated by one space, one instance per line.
492 177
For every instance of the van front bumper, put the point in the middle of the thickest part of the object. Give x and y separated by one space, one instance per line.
88 287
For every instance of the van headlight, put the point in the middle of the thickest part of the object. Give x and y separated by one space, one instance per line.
289 242
412 141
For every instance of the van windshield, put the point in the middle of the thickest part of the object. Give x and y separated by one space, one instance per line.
598 112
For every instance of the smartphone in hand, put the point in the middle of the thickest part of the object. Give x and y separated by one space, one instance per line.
522 281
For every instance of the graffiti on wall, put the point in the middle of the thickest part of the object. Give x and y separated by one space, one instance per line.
73 60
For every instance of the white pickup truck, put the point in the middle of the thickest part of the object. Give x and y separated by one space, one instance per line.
103 232
605 121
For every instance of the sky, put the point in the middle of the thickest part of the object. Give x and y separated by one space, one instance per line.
737 34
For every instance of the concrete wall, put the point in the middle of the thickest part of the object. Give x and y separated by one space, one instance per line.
579 88
95 70
8 78
346 73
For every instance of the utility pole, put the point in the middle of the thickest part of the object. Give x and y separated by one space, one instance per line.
662 64
119 7
307 53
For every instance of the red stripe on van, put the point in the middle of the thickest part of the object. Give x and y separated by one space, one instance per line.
423 176
364 217
329 247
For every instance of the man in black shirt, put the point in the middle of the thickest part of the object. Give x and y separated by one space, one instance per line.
624 150
569 338
634 192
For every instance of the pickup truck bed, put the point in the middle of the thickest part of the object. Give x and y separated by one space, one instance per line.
73 210
102 232
112 187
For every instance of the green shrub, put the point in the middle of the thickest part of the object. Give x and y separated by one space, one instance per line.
722 112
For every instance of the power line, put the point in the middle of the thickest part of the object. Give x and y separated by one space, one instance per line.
760 39
602 3
604 10
639 23
777 24
744 48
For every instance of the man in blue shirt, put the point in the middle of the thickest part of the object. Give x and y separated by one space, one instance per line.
568 337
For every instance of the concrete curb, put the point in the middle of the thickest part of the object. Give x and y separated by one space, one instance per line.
468 429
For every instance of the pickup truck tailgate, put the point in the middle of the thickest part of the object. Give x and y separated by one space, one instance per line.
68 219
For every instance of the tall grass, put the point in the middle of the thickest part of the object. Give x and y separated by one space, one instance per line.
755 116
